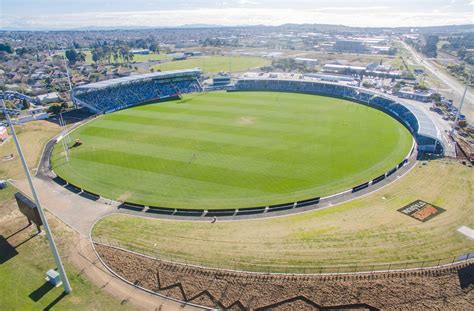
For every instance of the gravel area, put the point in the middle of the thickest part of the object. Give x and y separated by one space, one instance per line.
436 289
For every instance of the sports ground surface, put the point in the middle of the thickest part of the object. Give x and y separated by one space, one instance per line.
363 234
231 150
214 64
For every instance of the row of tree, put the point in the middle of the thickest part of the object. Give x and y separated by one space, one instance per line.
107 53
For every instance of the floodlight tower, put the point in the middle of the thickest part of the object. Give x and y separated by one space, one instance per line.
462 99
68 80
44 220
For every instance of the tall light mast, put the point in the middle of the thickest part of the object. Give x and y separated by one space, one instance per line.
44 220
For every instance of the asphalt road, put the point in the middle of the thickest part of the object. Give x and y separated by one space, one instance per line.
451 82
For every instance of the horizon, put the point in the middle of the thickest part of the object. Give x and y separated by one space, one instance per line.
69 15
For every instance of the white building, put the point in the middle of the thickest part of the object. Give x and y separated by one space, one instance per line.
48 98
140 51
307 61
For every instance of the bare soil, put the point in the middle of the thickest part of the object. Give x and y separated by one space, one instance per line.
448 288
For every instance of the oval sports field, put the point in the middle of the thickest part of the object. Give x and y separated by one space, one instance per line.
233 150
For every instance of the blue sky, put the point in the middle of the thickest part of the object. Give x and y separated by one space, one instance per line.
57 14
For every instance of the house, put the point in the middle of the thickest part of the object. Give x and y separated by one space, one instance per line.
48 98
307 61
140 51
123 72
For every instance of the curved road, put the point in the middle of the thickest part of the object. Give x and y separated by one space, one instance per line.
451 82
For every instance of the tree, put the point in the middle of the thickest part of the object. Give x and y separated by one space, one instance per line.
154 47
71 55
81 57
462 123
55 109
25 104
430 48
96 56
5 47
21 51
435 97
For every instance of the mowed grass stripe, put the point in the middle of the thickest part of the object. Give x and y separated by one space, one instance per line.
244 123
275 153
283 115
274 142
294 149
185 155
201 172
264 101
275 158
159 190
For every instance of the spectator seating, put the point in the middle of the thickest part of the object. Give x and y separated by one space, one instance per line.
116 94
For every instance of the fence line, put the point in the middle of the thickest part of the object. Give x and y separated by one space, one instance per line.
241 266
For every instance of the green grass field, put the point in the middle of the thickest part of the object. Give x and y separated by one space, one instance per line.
214 64
24 259
230 150
367 232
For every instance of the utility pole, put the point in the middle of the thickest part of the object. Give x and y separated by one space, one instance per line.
460 106
462 99
49 235
69 81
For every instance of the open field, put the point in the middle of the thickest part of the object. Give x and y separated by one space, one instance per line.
365 231
231 150
214 64
33 136
24 259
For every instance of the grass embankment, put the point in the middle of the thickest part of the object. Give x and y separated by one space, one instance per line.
364 232
32 136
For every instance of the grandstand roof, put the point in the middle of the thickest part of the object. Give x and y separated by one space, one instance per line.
153 75
426 124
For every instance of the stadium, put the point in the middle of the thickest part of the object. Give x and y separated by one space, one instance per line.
250 150
283 179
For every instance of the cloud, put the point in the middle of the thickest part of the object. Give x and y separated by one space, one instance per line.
377 16
248 2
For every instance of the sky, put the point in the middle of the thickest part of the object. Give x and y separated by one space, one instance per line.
67 14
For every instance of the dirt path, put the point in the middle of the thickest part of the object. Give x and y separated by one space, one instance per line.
77 212
84 257
80 214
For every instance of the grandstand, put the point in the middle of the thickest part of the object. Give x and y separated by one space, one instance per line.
115 94
418 123
111 95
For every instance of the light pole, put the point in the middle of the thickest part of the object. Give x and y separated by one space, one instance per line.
49 235
69 81
462 99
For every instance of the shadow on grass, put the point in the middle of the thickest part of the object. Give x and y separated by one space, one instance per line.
7 251
38 293
41 291
29 238
55 301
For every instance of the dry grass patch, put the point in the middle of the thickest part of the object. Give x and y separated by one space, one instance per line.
33 136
